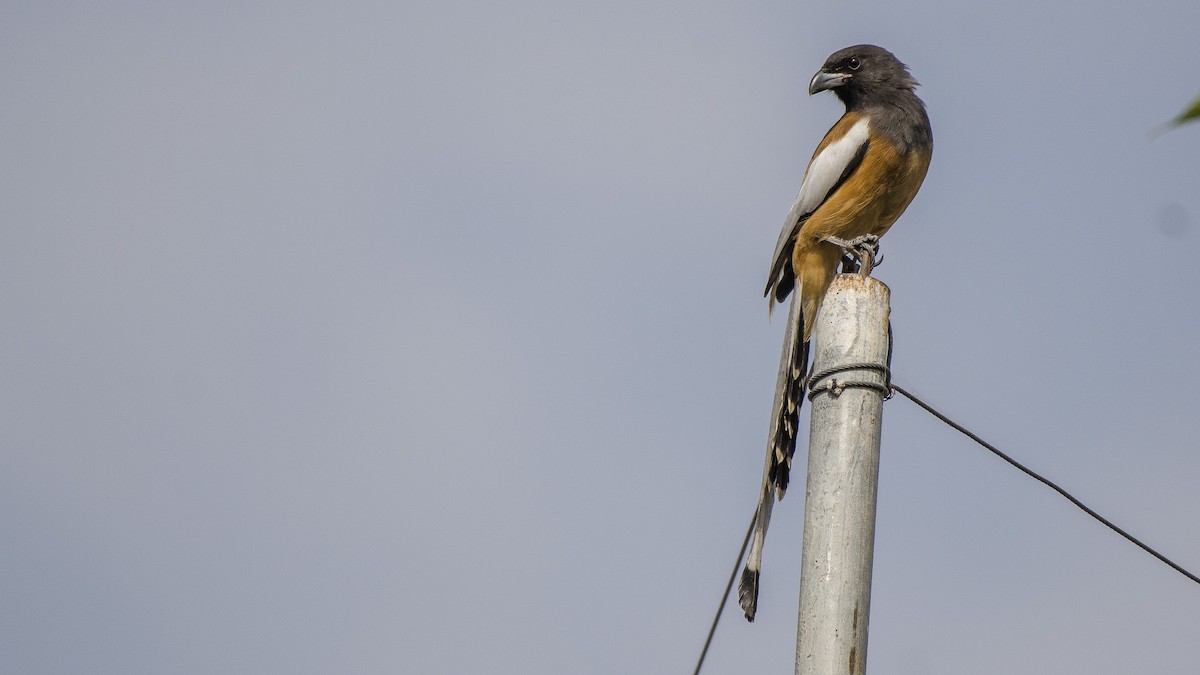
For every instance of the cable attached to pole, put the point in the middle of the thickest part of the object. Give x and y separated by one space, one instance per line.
721 608
994 450
1043 480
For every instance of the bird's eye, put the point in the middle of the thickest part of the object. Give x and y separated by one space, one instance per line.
853 63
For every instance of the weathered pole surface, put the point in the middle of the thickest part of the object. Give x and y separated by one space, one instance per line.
850 378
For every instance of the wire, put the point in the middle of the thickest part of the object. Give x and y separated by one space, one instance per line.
994 450
725 596
1032 474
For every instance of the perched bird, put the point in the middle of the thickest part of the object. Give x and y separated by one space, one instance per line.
863 175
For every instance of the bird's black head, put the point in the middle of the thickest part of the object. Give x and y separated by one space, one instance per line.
863 74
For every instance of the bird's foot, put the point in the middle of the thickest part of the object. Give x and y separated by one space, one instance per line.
864 251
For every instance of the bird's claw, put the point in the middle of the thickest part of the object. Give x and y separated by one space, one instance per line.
864 250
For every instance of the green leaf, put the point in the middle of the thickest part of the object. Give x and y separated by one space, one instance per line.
1192 113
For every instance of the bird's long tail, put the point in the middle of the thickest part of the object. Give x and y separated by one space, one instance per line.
781 445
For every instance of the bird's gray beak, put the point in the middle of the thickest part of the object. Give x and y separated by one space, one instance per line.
823 80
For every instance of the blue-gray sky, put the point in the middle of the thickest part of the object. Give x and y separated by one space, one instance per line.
428 337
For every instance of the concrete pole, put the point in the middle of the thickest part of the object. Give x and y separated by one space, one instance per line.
843 473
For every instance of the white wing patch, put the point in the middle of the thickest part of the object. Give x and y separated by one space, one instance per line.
822 174
826 168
